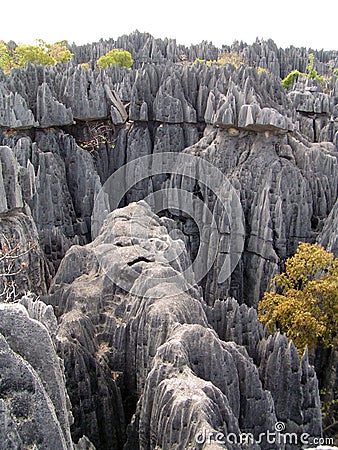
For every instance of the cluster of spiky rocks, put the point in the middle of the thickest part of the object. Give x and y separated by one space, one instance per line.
153 366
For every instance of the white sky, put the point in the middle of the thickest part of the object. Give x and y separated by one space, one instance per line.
298 22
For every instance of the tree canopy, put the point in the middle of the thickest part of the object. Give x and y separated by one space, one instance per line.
122 58
303 301
42 53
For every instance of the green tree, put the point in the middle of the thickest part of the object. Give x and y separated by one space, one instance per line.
32 53
5 57
42 53
59 51
304 300
122 58
288 81
303 303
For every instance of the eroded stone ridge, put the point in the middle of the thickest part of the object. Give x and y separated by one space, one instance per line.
141 344
162 349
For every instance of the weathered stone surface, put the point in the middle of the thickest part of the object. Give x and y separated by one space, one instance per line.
58 180
237 323
120 348
285 380
50 112
238 108
19 233
9 181
287 188
14 112
329 235
32 383
152 332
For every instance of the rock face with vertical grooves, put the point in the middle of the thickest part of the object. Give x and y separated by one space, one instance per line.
328 237
168 367
158 342
49 111
35 406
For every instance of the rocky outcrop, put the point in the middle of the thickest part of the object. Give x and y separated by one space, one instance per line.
142 344
270 172
14 112
50 112
125 308
316 110
328 237
21 253
289 386
58 181
35 407
165 108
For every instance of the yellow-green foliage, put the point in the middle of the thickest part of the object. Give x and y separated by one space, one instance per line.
5 57
288 81
59 52
42 53
85 65
122 58
234 58
32 53
304 299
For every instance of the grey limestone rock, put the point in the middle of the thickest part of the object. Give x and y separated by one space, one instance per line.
32 383
170 104
280 369
18 231
50 112
271 172
84 93
236 108
14 112
9 180
237 323
129 344
329 234
289 382
66 183
153 333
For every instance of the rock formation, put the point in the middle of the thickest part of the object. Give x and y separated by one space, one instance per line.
35 409
143 356
157 341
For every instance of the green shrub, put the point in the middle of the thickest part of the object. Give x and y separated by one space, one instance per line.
42 53
311 72
85 65
303 301
118 57
5 57
59 51
199 61
288 81
32 53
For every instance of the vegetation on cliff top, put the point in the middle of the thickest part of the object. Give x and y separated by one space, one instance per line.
116 56
42 53
311 72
